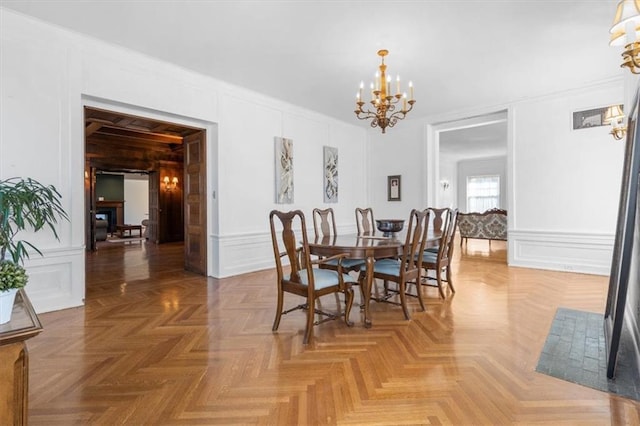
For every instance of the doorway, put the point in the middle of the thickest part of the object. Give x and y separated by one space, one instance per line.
463 151
173 156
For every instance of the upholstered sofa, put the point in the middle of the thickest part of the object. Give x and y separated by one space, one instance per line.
490 225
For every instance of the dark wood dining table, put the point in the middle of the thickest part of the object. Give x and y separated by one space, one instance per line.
367 247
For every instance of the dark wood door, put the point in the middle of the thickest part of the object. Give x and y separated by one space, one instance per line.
195 203
154 207
90 201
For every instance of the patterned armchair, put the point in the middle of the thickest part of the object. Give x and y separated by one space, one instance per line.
490 225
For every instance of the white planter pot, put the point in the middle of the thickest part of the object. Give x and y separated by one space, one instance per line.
6 304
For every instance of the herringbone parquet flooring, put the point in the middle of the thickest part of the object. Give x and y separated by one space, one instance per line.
158 345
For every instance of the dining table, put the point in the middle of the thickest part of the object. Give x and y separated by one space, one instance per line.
369 247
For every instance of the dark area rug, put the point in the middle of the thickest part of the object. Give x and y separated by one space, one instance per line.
575 351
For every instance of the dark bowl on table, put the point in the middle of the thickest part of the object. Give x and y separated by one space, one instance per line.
389 226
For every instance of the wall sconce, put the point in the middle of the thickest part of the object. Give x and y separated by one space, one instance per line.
614 116
170 184
625 32
444 184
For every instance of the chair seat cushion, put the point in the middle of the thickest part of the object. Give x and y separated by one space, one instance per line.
346 263
387 267
433 249
429 257
323 278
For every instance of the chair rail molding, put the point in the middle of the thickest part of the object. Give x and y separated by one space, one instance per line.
561 251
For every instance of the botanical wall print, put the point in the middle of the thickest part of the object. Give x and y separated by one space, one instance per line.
330 174
284 170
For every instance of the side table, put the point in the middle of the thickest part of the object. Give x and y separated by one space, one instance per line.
14 361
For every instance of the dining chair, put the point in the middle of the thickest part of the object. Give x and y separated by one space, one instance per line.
440 217
324 225
365 221
408 267
305 279
440 262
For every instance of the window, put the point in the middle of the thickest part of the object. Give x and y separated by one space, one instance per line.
483 193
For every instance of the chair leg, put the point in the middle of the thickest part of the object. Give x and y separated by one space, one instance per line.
439 280
310 312
419 291
276 322
449 279
348 302
403 300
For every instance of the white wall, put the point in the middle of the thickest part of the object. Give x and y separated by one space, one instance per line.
136 199
562 185
449 173
49 74
481 167
400 151
566 183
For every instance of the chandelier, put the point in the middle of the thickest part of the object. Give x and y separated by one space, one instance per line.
383 101
625 32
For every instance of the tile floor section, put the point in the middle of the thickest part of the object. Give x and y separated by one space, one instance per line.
575 351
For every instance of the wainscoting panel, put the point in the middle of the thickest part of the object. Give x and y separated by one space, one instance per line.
56 281
571 252
242 253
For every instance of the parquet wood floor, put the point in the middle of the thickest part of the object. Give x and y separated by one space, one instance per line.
158 345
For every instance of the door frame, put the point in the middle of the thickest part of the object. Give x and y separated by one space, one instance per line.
211 161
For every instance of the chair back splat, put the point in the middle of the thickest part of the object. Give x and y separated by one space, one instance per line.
305 279
324 222
439 217
365 221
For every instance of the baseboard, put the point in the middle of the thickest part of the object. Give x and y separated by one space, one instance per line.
561 251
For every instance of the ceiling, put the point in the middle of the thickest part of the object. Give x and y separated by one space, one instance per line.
459 54
482 141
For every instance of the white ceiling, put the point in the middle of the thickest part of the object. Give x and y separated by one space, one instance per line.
488 140
459 54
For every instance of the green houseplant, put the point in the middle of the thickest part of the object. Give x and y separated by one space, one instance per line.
25 204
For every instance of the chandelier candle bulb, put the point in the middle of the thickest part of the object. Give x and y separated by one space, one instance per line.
398 84
411 89
404 102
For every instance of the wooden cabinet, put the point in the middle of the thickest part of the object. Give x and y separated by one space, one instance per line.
14 361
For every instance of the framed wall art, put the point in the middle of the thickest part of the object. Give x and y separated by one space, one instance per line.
330 174
284 170
393 188
590 118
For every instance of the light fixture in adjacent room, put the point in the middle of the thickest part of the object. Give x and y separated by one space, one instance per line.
170 184
626 31
614 116
384 103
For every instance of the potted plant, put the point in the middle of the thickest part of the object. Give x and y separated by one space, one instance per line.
25 204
